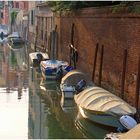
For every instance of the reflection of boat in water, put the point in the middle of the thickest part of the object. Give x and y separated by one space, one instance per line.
48 85
57 118
37 57
70 81
90 129
67 104
103 107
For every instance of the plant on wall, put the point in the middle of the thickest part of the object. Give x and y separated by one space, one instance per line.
74 5
13 16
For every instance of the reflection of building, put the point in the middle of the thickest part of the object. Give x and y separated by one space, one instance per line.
4 12
13 73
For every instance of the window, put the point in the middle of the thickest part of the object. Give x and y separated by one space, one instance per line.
17 5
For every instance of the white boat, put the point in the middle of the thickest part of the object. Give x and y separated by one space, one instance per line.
103 107
37 57
50 68
69 82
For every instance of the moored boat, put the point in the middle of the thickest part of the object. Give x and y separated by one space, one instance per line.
53 69
103 107
73 82
16 44
15 41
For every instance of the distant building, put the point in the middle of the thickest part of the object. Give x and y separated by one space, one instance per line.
44 25
22 17
4 12
31 23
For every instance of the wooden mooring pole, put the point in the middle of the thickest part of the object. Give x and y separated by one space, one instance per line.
71 41
94 63
137 85
101 65
123 73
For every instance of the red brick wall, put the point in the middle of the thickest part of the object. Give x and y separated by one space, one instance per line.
116 32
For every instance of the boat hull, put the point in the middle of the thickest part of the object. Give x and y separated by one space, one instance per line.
102 118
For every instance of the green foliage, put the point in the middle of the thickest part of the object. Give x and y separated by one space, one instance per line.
74 5
13 16
129 6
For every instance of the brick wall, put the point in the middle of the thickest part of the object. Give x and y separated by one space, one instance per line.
116 32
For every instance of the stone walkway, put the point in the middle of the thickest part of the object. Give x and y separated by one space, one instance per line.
132 134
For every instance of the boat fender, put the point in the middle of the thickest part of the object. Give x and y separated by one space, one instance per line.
128 122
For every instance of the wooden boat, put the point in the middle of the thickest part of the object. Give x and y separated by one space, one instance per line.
37 57
69 82
15 41
50 68
103 107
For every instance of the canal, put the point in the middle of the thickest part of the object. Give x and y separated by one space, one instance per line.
31 107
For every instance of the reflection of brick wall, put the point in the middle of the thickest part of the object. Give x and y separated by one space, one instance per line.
116 32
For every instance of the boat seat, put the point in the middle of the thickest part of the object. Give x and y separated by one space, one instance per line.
67 88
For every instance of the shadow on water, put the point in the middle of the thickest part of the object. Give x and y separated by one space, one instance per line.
51 117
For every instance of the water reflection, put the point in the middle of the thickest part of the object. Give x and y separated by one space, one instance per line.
49 115
90 129
13 94
53 117
47 119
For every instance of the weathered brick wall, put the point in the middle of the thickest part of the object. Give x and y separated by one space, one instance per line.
31 37
116 32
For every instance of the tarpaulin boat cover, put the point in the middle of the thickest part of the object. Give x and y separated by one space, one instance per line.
53 63
73 77
98 99
34 55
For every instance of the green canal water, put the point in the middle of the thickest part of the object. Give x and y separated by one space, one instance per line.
31 108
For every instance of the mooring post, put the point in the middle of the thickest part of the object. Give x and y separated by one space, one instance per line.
101 65
94 63
137 85
71 41
123 73
36 36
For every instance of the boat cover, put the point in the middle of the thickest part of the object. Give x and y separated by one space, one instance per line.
73 77
53 63
34 55
98 99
